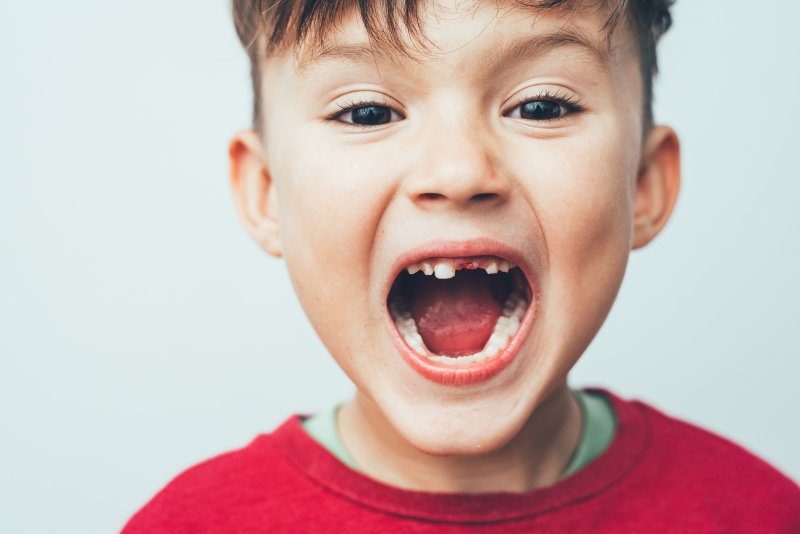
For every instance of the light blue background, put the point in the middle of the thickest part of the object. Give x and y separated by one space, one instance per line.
141 331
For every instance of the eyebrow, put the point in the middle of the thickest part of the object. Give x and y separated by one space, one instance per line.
353 53
522 48
541 44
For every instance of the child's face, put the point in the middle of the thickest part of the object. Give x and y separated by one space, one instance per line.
451 166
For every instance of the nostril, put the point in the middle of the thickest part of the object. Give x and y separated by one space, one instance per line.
432 196
474 198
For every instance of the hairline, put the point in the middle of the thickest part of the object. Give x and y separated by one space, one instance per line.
290 31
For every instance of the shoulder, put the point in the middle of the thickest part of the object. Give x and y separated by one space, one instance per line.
712 475
214 492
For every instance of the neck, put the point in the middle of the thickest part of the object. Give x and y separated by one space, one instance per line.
534 458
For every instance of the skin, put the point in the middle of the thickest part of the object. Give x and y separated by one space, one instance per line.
340 204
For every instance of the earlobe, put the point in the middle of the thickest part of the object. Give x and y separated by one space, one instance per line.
254 191
657 185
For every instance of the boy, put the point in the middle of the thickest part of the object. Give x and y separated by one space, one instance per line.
455 187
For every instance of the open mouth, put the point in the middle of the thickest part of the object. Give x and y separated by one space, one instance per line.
460 312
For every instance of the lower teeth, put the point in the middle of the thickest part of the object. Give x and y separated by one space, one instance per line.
507 325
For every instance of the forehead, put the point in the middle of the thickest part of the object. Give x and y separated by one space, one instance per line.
507 30
482 53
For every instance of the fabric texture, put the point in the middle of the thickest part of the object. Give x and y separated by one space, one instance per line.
658 475
597 431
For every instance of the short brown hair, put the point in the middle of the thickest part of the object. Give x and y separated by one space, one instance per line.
265 26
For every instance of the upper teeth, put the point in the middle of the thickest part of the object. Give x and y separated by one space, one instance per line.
446 268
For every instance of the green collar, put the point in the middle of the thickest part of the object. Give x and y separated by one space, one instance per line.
599 425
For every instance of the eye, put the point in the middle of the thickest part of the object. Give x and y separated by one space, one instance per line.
364 114
541 110
544 108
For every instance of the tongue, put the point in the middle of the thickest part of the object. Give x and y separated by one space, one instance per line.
455 317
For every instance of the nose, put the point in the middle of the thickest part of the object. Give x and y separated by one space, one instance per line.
458 166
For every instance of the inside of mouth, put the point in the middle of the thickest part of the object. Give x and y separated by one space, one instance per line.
469 316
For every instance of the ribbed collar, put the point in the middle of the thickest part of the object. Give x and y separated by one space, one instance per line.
315 462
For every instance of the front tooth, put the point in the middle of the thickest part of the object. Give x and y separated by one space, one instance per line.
491 268
444 270
427 269
503 266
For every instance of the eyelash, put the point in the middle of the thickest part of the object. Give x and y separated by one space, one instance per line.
350 105
570 104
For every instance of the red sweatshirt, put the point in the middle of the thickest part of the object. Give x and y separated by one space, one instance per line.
658 475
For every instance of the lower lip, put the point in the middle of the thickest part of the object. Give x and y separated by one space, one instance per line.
456 375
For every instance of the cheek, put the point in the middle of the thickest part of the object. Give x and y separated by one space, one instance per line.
589 216
590 238
329 207
579 189
580 195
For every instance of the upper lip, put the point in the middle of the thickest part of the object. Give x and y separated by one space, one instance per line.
461 249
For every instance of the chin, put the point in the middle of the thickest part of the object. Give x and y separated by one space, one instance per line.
459 436
472 425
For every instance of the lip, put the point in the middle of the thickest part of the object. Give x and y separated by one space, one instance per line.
481 371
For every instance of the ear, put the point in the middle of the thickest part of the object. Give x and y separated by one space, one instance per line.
254 191
657 184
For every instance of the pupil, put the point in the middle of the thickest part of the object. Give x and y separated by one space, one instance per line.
371 115
540 110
